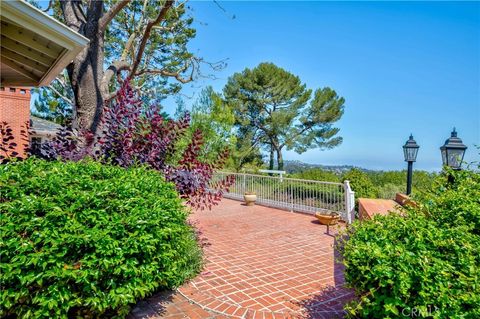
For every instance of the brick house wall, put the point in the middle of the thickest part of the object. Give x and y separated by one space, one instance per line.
15 110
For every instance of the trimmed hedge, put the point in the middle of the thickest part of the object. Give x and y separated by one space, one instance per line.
88 240
425 264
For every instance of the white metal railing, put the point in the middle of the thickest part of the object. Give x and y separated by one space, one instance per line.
293 194
349 203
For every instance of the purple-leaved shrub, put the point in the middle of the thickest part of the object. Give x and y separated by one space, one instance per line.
8 142
132 133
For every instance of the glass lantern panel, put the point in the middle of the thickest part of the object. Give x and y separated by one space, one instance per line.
455 158
444 157
413 153
410 154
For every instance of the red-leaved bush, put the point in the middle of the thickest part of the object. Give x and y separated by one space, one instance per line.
8 143
132 133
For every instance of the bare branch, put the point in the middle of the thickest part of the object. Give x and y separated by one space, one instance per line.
180 94
110 96
110 14
158 27
61 79
63 97
179 4
74 15
128 46
112 71
146 34
223 9
49 6
177 74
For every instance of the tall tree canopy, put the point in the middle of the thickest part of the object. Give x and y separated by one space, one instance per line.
144 41
216 120
278 111
55 102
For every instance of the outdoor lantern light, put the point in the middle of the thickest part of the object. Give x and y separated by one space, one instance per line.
410 150
453 151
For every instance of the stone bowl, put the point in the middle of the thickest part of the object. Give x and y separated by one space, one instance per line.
327 218
250 199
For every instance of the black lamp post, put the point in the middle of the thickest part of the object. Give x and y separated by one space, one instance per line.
410 150
453 151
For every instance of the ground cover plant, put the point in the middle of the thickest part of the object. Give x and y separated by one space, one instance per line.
424 263
87 240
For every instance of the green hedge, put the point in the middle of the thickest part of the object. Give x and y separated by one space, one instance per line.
425 264
88 240
373 184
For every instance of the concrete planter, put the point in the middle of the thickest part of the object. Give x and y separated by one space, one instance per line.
250 198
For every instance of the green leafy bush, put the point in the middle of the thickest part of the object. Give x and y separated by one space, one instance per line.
360 183
421 181
324 193
373 184
318 174
388 191
424 263
86 240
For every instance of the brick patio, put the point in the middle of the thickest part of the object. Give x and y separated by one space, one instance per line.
260 263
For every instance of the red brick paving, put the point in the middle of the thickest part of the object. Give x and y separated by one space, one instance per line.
171 305
263 263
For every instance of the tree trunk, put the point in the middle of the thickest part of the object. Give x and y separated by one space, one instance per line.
86 70
279 159
272 158
85 76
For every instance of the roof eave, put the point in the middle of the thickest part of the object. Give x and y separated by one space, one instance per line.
49 28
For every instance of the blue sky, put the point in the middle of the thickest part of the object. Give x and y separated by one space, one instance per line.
403 67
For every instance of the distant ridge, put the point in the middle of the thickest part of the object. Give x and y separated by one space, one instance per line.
297 166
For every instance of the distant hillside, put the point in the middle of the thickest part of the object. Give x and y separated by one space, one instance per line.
299 166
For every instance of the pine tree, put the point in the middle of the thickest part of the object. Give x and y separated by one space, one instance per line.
278 110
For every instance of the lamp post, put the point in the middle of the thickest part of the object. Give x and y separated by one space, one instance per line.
410 150
453 151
